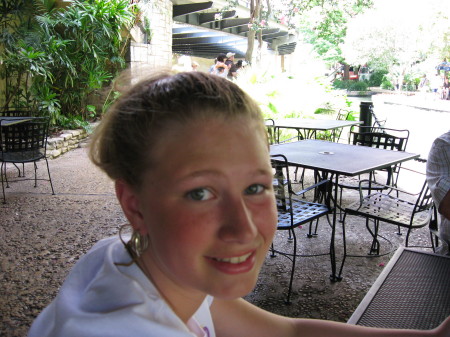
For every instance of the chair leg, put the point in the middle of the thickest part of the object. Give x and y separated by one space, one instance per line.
18 169
294 255
49 177
3 168
434 242
35 174
407 236
375 247
4 175
290 237
310 233
272 251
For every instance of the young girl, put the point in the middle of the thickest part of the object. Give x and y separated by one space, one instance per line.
190 160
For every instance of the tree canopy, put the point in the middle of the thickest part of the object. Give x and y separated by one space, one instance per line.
396 36
320 22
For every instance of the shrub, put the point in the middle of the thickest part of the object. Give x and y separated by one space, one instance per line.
376 78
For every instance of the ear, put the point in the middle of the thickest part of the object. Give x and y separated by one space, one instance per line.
130 202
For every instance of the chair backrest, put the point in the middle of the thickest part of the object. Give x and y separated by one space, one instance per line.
270 127
28 138
424 204
15 113
281 182
383 138
342 115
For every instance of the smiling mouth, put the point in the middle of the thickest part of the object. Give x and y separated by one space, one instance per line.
235 259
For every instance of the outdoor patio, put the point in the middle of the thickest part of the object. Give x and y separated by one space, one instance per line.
43 235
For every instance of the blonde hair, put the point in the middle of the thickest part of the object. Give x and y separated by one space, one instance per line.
121 145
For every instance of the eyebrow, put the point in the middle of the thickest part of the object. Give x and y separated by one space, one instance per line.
207 172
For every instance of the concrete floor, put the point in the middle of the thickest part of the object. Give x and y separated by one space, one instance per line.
43 235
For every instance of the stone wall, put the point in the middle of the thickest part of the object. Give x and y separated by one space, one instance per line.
68 140
154 49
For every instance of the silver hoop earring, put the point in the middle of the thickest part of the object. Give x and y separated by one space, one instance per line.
135 246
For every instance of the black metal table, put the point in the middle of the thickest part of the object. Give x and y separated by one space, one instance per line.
412 292
307 128
333 159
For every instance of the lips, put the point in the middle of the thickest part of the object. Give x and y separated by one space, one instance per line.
236 259
234 265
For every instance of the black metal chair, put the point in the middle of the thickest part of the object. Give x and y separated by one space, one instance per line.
383 138
16 112
294 212
22 143
399 210
271 130
335 135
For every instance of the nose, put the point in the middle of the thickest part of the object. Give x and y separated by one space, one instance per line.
237 222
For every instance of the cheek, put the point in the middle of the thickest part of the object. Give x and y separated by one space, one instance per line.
267 218
182 228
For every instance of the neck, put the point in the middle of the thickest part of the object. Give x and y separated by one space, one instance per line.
181 301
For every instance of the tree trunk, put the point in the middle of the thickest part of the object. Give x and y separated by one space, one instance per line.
250 45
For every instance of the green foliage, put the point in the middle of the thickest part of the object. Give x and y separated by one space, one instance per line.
54 59
376 78
386 84
74 122
323 24
351 85
325 111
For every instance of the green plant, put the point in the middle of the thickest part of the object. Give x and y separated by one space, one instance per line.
54 59
74 122
376 78
386 84
350 85
358 86
91 109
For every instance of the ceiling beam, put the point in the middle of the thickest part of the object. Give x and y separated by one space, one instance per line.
179 10
211 17
229 23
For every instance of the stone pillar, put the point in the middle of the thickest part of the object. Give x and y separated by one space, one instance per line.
152 48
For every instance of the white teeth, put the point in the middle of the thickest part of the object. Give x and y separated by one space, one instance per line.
236 259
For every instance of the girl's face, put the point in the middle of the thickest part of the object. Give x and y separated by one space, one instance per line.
208 208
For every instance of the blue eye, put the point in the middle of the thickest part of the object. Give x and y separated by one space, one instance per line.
199 194
254 189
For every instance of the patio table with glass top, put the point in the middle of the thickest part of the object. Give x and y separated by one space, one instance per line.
330 160
6 121
307 128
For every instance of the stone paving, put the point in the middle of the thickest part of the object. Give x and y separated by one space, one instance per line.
43 235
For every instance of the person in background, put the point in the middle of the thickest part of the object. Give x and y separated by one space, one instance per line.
230 60
445 88
220 68
189 157
424 84
438 178
234 70
194 66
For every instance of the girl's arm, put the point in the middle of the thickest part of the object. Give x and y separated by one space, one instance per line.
239 318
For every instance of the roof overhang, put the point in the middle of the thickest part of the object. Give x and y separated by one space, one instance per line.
202 29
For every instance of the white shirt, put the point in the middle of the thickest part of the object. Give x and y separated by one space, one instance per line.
101 299
438 176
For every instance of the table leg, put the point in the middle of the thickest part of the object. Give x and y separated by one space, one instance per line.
334 277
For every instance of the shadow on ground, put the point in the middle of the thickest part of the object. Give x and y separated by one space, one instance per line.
43 235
